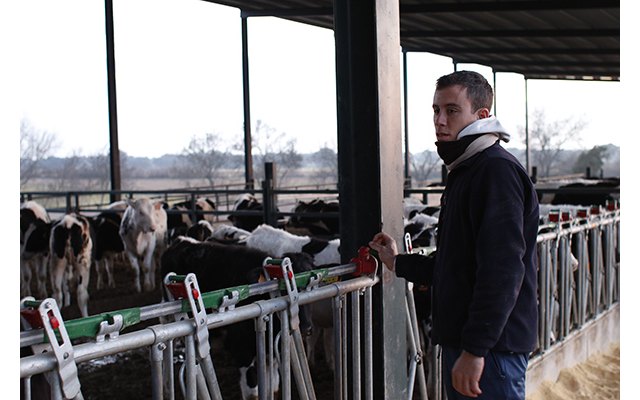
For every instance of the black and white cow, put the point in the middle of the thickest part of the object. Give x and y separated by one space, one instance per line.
246 202
107 246
200 231
229 234
277 241
218 266
422 228
319 226
71 249
35 230
181 216
143 229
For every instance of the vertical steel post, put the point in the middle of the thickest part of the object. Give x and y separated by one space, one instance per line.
407 153
336 306
369 116
246 101
355 345
114 152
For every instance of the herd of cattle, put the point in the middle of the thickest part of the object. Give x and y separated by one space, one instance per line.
58 254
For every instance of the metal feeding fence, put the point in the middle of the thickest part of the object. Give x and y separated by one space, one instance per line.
579 270
579 278
50 338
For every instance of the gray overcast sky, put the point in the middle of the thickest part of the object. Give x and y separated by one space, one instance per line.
178 65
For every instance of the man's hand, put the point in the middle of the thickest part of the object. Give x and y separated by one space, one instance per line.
386 247
466 373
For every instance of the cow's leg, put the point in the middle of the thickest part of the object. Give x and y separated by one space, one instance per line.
148 266
82 271
68 282
41 270
25 277
133 259
108 268
100 267
249 382
58 266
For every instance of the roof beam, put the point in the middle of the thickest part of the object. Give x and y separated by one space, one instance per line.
512 50
502 33
288 12
492 6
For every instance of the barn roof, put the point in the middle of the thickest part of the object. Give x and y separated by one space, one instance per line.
548 39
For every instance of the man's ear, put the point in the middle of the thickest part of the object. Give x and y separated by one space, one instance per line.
483 113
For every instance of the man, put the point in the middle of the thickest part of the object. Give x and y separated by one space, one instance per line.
483 273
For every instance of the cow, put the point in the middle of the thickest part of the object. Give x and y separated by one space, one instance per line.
180 216
218 266
318 226
200 231
35 230
229 234
143 226
277 241
422 228
108 244
71 249
246 202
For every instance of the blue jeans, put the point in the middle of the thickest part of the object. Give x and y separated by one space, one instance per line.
503 376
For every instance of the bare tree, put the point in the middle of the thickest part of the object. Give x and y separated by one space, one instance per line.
326 160
271 146
593 159
35 146
202 158
423 165
547 139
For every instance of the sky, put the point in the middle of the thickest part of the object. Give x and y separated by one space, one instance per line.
179 76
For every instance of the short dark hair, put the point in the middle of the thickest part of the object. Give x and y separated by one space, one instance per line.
479 91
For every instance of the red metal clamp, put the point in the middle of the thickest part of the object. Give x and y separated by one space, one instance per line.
366 263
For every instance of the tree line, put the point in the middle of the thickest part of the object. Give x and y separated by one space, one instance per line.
205 159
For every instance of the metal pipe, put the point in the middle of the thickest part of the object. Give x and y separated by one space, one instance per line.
368 344
355 344
285 358
156 353
190 368
336 308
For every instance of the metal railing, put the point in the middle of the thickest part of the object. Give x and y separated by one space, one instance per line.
579 270
50 338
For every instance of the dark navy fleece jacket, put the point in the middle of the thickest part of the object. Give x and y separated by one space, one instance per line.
483 274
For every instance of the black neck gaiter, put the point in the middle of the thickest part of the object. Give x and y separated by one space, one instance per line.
450 151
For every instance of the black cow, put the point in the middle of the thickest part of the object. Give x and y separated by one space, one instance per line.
246 202
35 230
219 266
323 226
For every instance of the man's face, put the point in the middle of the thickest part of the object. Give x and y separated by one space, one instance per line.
452 112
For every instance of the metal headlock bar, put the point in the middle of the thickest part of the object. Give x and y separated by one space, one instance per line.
45 314
579 274
186 287
190 306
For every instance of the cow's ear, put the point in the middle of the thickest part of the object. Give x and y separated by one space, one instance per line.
158 204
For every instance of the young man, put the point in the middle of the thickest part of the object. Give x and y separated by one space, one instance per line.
483 273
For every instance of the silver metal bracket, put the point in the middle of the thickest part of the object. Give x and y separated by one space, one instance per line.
112 330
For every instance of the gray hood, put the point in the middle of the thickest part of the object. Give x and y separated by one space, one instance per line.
485 125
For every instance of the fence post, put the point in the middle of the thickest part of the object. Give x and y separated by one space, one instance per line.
268 196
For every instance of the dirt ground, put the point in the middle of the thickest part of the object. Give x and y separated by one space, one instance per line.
598 378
